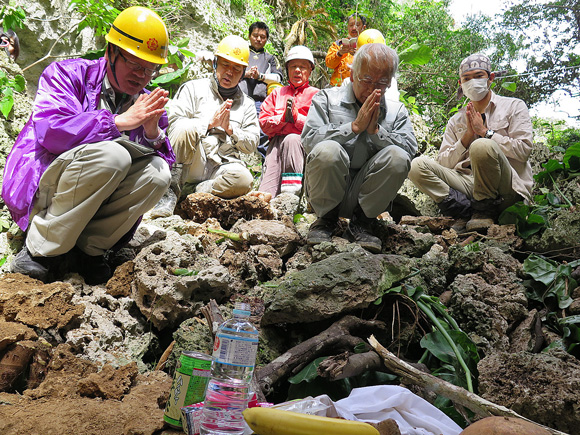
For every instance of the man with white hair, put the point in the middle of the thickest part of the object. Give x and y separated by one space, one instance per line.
482 167
359 148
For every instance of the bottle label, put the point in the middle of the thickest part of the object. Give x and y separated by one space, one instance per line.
235 350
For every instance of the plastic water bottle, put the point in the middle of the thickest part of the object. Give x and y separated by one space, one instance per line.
228 390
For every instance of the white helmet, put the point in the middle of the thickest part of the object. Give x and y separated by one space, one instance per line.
300 52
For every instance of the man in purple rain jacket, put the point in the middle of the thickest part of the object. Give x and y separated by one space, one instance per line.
93 158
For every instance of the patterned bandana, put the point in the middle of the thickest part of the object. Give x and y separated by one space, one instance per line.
475 61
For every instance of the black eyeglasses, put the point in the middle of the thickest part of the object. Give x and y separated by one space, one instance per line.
134 66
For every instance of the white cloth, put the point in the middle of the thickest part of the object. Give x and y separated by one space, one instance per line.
413 414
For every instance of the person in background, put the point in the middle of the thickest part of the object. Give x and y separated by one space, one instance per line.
94 156
359 147
10 42
211 121
340 53
263 70
282 118
483 164
373 36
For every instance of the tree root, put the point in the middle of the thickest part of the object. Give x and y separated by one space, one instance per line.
337 338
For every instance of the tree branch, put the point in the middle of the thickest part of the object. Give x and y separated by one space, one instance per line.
477 404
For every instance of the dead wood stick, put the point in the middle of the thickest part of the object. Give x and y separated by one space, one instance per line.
346 365
165 356
477 404
337 338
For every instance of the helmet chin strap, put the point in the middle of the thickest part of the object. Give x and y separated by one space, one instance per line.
110 50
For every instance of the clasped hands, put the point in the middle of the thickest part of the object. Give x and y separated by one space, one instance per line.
146 112
368 115
475 125
221 118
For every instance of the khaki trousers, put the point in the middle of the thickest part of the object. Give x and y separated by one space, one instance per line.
91 196
491 175
285 154
231 179
330 181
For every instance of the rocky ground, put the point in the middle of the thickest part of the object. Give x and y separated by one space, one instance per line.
83 359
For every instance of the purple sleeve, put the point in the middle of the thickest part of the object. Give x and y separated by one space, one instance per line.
63 115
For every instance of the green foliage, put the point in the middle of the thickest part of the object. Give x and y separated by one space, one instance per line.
7 88
180 58
543 35
449 351
97 14
185 272
551 284
570 165
12 17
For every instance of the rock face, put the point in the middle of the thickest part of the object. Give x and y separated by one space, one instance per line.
339 284
282 236
39 305
166 299
542 387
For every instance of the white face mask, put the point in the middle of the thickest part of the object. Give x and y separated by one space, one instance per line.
475 89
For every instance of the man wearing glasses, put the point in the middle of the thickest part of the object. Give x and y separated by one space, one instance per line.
93 157
359 148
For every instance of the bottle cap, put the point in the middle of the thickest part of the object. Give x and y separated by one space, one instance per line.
242 308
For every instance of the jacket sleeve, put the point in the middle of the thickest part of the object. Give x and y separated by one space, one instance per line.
271 122
274 74
319 128
517 144
452 150
247 136
60 119
332 58
184 124
401 134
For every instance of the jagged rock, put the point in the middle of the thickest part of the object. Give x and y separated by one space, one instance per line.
433 268
485 311
280 235
13 332
525 336
166 299
109 383
201 206
192 335
406 241
300 260
45 306
562 236
435 224
336 285
543 387
286 204
110 332
120 283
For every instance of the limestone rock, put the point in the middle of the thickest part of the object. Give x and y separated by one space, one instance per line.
167 299
29 301
109 383
336 285
201 206
280 235
486 311
543 387
13 332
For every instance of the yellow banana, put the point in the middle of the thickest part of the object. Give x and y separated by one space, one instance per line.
271 421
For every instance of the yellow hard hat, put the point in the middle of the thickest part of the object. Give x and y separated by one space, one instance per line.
370 36
141 32
235 49
272 86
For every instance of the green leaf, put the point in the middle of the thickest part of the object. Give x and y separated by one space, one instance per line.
541 269
7 102
297 218
572 158
361 348
19 83
510 86
185 272
308 373
416 54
